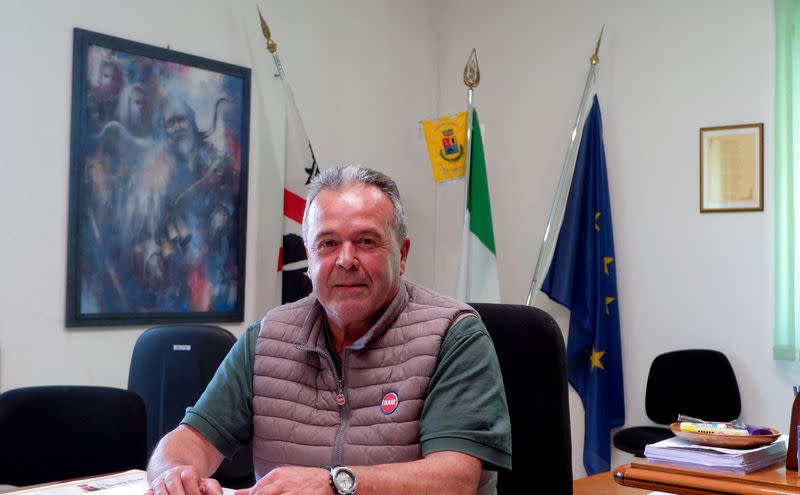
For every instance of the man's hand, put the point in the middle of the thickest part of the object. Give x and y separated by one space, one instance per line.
291 481
181 463
183 480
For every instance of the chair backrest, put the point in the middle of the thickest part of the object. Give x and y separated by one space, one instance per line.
695 382
530 348
170 368
53 433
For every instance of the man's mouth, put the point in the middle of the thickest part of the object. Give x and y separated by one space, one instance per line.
348 285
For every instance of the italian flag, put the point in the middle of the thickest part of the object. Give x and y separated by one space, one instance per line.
478 280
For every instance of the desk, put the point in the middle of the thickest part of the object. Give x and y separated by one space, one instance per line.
603 484
774 480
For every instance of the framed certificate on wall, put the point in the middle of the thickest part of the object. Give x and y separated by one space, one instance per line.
732 168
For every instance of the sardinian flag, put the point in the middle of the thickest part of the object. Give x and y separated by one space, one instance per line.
299 168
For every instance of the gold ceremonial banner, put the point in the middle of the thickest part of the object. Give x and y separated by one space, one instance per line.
446 139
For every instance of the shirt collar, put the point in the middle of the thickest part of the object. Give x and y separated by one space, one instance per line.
312 338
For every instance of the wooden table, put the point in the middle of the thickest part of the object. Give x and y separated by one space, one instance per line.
774 480
603 484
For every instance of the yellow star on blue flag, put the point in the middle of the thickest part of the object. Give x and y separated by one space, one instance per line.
595 359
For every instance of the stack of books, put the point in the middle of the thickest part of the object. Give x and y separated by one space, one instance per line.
680 452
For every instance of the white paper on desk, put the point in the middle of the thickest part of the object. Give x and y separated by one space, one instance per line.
679 452
741 468
88 485
133 482
679 449
140 488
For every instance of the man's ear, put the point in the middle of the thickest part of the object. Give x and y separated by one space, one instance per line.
404 247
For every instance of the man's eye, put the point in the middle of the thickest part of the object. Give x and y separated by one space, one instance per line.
368 242
326 245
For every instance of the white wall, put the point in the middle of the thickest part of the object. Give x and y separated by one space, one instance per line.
685 280
364 72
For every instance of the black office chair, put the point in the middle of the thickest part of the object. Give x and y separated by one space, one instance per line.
51 433
696 382
532 358
170 368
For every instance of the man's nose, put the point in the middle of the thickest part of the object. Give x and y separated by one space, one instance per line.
347 256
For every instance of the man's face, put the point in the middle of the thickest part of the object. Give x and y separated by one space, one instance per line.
354 260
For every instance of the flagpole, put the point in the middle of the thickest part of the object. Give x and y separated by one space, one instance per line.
594 60
472 77
272 47
298 158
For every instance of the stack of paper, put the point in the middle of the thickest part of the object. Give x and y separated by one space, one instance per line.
681 452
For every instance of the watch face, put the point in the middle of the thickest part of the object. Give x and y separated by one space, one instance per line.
344 480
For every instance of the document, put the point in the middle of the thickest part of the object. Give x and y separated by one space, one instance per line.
134 477
133 482
681 452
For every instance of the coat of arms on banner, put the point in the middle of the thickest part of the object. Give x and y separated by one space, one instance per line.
446 139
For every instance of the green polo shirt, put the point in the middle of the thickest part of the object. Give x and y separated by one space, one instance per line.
465 408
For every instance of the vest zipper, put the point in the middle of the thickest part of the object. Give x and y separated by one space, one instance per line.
340 398
344 413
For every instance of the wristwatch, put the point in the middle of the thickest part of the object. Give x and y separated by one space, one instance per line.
343 480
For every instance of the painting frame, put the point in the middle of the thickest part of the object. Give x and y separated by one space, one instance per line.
158 179
732 168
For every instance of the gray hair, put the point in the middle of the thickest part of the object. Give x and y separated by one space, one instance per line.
348 175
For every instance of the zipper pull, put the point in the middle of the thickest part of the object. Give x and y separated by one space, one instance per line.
340 399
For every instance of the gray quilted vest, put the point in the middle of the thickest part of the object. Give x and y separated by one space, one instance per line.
297 420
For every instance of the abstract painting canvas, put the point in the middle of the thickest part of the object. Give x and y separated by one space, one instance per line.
158 185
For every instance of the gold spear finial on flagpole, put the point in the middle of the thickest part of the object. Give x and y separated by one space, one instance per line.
271 45
472 73
594 59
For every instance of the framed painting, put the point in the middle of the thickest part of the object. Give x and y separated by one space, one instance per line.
158 185
732 168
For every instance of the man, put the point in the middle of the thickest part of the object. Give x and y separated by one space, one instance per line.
397 384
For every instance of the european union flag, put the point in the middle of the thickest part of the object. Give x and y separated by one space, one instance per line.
582 277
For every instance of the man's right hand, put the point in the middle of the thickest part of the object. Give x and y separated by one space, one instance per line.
181 464
183 480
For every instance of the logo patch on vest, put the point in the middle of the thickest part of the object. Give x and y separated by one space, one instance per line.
389 403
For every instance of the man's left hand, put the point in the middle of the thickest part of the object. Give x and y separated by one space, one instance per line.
292 481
